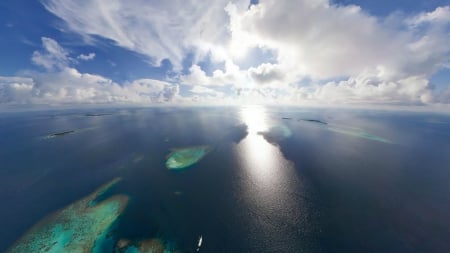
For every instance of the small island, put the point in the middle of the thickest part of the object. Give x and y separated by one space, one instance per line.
59 134
315 121
97 114
182 158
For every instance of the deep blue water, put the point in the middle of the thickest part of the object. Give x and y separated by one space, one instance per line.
310 189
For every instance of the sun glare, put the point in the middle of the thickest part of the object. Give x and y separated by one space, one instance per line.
254 117
258 156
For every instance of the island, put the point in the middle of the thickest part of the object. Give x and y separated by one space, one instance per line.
82 226
315 121
181 158
59 134
97 114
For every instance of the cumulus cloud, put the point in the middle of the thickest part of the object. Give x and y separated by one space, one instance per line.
321 41
52 56
380 62
266 73
231 75
63 84
15 90
86 57
69 86
411 90
206 91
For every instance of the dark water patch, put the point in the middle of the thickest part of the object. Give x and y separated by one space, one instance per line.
237 133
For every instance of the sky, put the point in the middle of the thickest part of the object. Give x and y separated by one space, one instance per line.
225 52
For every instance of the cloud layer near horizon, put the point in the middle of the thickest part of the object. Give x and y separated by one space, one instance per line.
308 51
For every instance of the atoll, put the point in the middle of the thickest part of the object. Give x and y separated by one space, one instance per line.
79 227
182 158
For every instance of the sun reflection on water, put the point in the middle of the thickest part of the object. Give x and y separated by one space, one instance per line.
260 159
268 184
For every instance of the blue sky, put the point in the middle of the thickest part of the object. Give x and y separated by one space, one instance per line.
299 52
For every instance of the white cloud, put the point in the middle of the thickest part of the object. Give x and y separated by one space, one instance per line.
15 90
320 40
201 90
411 90
313 42
52 57
63 84
267 73
157 29
86 57
439 15
232 75
68 86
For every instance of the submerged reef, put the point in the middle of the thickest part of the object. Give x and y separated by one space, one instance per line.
276 134
182 158
350 131
79 227
152 245
358 133
138 158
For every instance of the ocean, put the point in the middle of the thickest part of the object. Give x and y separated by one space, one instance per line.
267 179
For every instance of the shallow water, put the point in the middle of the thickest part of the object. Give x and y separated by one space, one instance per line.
379 184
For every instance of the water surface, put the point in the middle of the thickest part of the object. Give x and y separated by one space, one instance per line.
365 181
